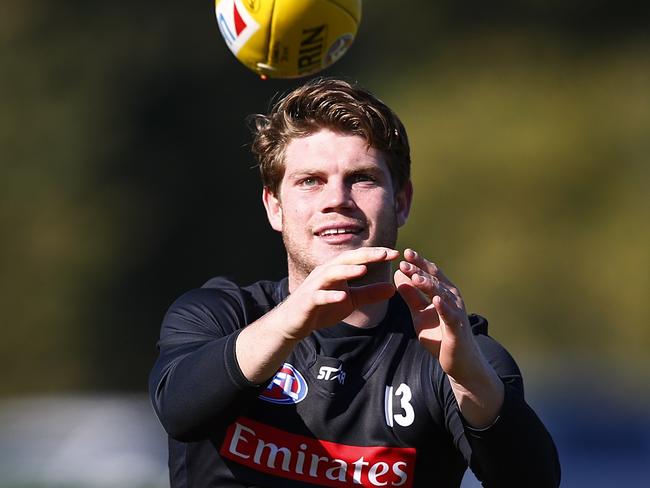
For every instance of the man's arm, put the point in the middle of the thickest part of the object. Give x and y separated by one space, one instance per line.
508 444
211 360
195 382
516 449
323 299
442 326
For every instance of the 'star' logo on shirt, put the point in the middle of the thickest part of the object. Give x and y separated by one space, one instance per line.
328 373
288 387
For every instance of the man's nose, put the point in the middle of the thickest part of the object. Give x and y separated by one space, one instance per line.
336 195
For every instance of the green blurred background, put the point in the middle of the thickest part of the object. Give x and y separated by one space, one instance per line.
126 178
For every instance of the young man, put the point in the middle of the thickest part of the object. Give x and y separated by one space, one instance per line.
329 377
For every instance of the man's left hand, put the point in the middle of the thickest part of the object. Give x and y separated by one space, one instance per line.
443 328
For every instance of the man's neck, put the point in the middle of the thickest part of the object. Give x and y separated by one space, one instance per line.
368 316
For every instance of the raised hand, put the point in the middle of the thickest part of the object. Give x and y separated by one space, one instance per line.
325 297
443 328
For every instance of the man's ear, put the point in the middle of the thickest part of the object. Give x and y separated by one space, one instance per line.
273 209
403 199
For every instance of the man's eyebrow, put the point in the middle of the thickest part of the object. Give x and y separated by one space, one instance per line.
302 172
298 173
370 168
366 167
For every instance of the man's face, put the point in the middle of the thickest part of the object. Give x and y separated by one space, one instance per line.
336 194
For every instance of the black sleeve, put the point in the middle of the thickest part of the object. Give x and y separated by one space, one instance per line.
516 450
196 384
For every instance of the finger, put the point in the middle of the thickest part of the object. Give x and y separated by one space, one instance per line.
429 285
432 286
340 272
415 300
447 310
415 258
364 255
367 294
409 269
425 315
327 297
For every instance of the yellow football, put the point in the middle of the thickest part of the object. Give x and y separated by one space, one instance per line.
288 38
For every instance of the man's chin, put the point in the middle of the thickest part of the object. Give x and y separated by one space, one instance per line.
343 244
330 251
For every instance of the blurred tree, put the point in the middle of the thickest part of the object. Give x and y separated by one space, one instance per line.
126 177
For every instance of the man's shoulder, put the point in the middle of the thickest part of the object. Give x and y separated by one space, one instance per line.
265 293
222 304
220 291
478 323
253 300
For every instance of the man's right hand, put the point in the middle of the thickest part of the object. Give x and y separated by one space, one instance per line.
323 299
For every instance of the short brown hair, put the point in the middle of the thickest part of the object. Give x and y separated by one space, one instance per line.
333 104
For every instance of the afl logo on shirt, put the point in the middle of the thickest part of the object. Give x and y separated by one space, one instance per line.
288 386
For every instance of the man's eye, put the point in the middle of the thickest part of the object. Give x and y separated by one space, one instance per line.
361 178
308 182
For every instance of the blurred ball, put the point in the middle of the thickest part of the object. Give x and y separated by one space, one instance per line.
288 38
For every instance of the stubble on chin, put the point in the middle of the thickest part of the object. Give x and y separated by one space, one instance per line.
302 260
301 263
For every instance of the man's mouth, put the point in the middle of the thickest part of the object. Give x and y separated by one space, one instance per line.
338 231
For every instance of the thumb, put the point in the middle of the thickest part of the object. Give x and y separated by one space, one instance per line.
413 297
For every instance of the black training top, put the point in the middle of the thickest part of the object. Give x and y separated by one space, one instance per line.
350 407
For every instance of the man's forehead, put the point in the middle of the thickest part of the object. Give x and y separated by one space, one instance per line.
326 149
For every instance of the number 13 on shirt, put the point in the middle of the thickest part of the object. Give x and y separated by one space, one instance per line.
407 415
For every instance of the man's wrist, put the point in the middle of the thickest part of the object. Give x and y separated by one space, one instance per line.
288 322
480 399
